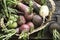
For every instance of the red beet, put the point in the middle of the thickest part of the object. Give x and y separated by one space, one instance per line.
21 20
24 27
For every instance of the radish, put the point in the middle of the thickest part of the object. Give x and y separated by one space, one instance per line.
26 10
21 20
31 25
29 17
24 27
44 11
23 7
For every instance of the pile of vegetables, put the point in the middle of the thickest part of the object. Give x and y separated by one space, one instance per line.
22 17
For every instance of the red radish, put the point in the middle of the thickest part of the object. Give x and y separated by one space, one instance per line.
29 16
26 10
24 27
31 25
21 20
23 7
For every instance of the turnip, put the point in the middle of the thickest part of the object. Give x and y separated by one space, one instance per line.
23 7
44 11
21 20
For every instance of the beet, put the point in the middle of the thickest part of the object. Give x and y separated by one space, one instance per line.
23 7
21 20
54 26
37 20
24 27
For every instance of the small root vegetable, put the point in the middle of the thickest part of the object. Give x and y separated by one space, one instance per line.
26 10
36 7
21 20
29 17
44 11
31 25
24 27
37 20
54 26
23 7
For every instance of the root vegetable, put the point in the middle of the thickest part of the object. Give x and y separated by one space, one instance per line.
26 10
29 16
44 11
21 20
37 20
54 26
24 27
23 7
31 25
